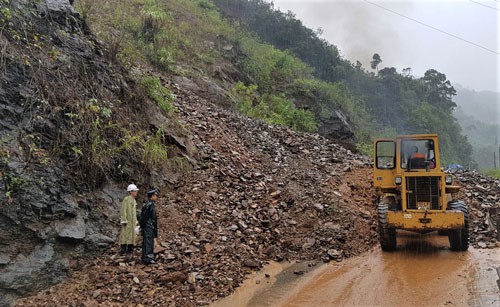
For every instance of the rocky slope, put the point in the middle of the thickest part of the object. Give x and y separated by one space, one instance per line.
63 105
261 193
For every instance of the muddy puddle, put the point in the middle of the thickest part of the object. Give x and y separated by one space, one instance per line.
423 272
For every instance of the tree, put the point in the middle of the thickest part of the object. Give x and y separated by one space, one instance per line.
438 90
358 65
407 71
388 71
375 61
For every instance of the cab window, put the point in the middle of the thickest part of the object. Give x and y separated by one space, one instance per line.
385 155
417 154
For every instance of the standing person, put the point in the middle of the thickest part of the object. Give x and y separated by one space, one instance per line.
415 154
128 220
149 227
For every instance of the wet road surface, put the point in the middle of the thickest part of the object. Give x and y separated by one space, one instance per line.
422 272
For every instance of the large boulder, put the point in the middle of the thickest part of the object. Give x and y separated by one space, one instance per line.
26 273
337 127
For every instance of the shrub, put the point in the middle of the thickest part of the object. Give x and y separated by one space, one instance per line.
155 152
153 20
272 109
155 90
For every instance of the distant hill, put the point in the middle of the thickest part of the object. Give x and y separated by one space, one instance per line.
482 105
478 114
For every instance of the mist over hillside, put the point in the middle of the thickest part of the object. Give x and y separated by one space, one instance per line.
478 113
482 105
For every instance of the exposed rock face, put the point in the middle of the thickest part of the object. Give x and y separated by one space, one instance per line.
36 213
56 7
47 213
337 127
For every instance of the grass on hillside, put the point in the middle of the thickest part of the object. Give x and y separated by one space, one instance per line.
182 37
492 172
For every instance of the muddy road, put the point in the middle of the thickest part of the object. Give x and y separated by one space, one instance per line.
423 272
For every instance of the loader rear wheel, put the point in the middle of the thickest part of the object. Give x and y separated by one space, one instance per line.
459 238
387 235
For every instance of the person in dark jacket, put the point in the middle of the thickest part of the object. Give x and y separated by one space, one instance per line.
149 227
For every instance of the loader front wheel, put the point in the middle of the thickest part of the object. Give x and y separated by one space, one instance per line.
387 235
459 238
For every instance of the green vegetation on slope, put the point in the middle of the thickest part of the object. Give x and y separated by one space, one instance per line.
397 103
176 35
295 78
82 109
493 173
273 109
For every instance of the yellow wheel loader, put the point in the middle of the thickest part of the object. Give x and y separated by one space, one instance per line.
415 194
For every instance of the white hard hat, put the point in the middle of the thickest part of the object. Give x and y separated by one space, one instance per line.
132 188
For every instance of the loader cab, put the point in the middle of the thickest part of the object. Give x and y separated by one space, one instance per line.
418 154
406 154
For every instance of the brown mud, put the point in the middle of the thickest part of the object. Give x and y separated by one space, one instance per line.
422 272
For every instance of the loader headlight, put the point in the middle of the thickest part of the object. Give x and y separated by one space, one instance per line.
398 180
448 179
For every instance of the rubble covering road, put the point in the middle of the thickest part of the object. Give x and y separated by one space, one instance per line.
258 193
482 194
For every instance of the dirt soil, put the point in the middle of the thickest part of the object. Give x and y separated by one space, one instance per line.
258 193
423 272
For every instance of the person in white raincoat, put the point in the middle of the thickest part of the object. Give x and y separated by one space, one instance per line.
128 220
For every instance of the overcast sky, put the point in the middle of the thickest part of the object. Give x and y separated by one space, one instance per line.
409 33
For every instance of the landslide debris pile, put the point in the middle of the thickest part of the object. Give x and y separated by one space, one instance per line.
482 194
259 193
